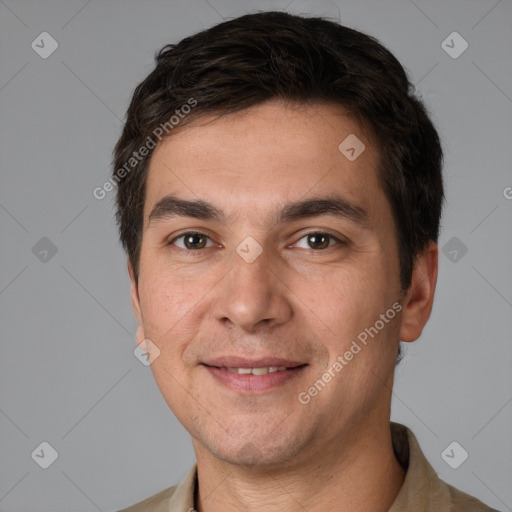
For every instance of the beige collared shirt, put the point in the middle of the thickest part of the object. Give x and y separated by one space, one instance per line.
422 491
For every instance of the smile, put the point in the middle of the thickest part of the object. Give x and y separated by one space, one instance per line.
256 371
257 379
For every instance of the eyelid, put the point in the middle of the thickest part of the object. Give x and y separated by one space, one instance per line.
174 237
340 240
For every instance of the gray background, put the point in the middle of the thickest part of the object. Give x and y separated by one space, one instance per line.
68 375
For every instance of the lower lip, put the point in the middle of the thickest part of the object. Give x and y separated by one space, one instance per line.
248 383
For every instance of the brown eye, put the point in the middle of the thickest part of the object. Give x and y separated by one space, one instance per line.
318 240
190 241
195 241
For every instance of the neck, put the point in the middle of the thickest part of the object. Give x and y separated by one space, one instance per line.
356 473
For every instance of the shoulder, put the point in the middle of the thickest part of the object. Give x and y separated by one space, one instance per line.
156 503
177 498
423 489
462 502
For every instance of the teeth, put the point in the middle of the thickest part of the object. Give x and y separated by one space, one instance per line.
259 371
256 371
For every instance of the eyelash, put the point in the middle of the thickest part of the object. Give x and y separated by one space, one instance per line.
196 252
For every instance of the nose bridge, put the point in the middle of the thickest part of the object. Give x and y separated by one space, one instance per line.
252 294
251 270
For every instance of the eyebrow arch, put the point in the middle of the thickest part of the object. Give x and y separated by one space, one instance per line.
335 205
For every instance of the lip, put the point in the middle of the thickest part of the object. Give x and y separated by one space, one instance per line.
242 362
249 383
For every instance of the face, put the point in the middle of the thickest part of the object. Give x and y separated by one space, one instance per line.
265 247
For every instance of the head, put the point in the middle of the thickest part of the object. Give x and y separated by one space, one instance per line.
281 192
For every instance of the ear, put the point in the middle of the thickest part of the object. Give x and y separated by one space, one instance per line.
420 295
139 337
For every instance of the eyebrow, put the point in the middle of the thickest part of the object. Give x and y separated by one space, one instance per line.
335 205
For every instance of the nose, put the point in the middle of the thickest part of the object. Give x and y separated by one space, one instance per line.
253 294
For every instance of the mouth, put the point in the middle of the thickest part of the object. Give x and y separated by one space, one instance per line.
262 370
243 375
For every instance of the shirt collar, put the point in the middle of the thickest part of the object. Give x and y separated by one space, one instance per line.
183 497
422 489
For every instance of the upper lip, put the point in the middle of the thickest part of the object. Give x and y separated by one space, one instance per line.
243 362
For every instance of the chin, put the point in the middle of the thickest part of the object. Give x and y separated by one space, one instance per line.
252 456
266 450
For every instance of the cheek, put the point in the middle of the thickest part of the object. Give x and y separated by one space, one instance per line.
165 304
333 307
166 286
344 304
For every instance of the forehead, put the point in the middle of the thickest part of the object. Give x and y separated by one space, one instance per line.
272 153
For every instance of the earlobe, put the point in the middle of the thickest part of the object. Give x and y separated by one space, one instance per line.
135 299
419 299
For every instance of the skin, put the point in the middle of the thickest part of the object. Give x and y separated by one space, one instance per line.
266 450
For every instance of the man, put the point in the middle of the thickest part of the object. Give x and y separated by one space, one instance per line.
279 198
